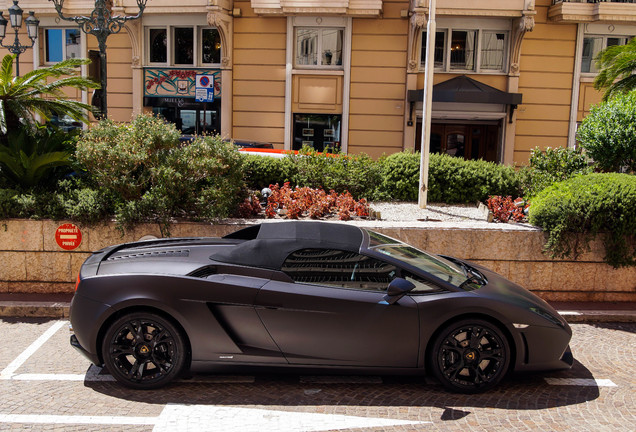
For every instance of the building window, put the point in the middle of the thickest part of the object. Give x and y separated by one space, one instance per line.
158 41
318 131
479 50
61 44
183 46
319 47
592 45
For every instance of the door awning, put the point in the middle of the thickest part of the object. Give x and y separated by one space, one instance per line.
463 89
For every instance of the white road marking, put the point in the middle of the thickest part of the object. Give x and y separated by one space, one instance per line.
329 379
87 420
9 371
585 382
202 418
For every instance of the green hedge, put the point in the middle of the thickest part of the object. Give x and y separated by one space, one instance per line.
394 177
575 211
450 179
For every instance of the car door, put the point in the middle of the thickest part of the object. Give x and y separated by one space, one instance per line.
334 313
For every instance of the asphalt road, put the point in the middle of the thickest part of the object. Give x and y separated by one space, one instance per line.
46 385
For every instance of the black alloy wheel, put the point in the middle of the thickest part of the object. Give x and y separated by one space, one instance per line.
143 350
470 356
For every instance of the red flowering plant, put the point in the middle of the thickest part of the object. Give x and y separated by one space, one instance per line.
294 203
504 209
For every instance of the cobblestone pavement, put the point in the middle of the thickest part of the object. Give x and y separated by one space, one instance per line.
46 385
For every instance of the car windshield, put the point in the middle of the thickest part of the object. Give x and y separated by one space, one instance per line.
437 266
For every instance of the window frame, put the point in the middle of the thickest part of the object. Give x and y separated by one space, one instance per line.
45 43
605 38
197 45
319 46
479 34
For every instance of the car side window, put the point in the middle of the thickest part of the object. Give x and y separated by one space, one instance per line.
422 286
339 268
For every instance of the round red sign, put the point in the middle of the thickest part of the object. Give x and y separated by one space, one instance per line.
68 236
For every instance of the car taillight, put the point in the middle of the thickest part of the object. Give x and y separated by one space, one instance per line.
77 283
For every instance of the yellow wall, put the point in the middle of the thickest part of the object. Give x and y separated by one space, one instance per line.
119 86
546 73
378 80
259 77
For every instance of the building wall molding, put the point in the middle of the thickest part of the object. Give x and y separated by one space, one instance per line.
520 27
224 24
360 8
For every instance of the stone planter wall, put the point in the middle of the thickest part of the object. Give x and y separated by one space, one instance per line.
32 262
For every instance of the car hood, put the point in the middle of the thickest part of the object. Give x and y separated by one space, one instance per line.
509 292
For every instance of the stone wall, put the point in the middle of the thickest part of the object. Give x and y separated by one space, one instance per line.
32 262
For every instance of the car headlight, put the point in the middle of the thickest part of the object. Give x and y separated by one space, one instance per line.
547 315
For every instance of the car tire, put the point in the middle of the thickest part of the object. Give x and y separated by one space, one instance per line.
470 356
143 350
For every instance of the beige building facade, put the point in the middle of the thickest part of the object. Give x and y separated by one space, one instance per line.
509 75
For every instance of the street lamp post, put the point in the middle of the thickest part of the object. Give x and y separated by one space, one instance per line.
15 17
101 24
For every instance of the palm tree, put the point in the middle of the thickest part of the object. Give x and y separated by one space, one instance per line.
40 92
617 65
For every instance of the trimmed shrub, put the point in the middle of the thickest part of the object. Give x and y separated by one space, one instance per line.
575 211
262 171
550 166
450 179
356 173
152 176
608 134
400 176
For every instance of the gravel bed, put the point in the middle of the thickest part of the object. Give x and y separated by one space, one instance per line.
408 211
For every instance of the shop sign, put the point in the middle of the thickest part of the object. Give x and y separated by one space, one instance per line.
182 83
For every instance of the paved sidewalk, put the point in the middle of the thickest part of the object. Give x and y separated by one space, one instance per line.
57 306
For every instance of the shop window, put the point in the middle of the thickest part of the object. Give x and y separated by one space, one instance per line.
319 47
468 50
318 131
592 46
186 46
61 44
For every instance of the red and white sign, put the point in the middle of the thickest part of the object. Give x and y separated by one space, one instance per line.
68 236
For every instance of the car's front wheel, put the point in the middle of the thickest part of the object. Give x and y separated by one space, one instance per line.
470 356
143 350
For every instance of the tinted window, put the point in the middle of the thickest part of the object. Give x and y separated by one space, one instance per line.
339 268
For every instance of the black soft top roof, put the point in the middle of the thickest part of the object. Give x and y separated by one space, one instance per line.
267 245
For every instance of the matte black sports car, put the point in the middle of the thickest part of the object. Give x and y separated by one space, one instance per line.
307 295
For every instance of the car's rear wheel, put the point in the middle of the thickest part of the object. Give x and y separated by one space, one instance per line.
470 356
143 350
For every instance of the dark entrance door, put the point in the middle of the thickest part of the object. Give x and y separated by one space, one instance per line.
470 141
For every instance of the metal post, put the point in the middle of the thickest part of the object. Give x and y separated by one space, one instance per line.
101 24
16 47
427 103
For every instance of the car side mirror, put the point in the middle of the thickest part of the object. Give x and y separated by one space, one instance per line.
397 289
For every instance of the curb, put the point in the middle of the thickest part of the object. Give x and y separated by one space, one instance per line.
43 309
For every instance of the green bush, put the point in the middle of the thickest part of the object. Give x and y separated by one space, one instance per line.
574 211
152 176
550 166
608 134
450 179
356 173
400 176
262 171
